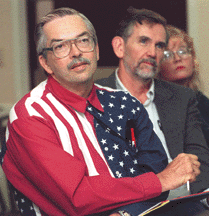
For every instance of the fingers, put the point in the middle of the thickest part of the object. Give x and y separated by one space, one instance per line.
190 162
185 167
195 173
192 166
190 156
196 163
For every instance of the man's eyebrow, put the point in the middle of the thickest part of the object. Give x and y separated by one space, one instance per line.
161 43
142 37
58 40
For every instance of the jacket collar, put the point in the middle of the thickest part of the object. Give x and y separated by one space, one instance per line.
71 99
161 92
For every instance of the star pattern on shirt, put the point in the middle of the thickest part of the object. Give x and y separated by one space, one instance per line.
133 111
89 108
132 170
135 161
119 128
111 126
24 204
101 92
120 117
104 141
115 146
121 163
124 98
111 157
122 106
126 153
111 120
111 105
112 96
118 174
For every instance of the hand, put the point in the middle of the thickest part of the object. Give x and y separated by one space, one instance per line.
185 167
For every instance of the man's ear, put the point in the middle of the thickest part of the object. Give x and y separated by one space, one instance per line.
118 45
97 52
44 64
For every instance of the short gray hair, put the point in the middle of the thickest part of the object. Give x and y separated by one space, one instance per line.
41 38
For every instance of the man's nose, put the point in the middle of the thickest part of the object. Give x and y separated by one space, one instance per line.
152 51
75 52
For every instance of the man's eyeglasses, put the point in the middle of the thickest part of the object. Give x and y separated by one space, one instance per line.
61 49
182 53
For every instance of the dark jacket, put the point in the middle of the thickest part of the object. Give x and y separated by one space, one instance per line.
203 106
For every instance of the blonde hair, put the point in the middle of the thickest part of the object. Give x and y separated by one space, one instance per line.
194 81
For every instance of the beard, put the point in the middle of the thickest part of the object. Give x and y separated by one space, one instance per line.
145 71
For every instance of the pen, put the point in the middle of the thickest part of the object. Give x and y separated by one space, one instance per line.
188 186
133 140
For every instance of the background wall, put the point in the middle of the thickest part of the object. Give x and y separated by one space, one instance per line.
198 29
14 75
14 63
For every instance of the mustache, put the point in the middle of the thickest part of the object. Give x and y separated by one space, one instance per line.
152 61
78 60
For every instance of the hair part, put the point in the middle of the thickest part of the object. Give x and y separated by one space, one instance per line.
141 16
40 37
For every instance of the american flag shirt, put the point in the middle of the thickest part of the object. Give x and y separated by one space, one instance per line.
67 155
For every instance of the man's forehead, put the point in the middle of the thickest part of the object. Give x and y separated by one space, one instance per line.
66 27
151 30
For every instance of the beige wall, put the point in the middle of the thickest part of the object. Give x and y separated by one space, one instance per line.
14 76
198 26
6 52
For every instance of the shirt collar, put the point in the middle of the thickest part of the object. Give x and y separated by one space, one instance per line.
71 99
119 84
150 93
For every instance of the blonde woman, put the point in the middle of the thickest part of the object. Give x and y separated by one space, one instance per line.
179 65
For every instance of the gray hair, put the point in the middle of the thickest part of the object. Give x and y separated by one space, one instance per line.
40 36
139 16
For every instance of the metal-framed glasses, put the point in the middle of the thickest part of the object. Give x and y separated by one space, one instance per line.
183 53
61 49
